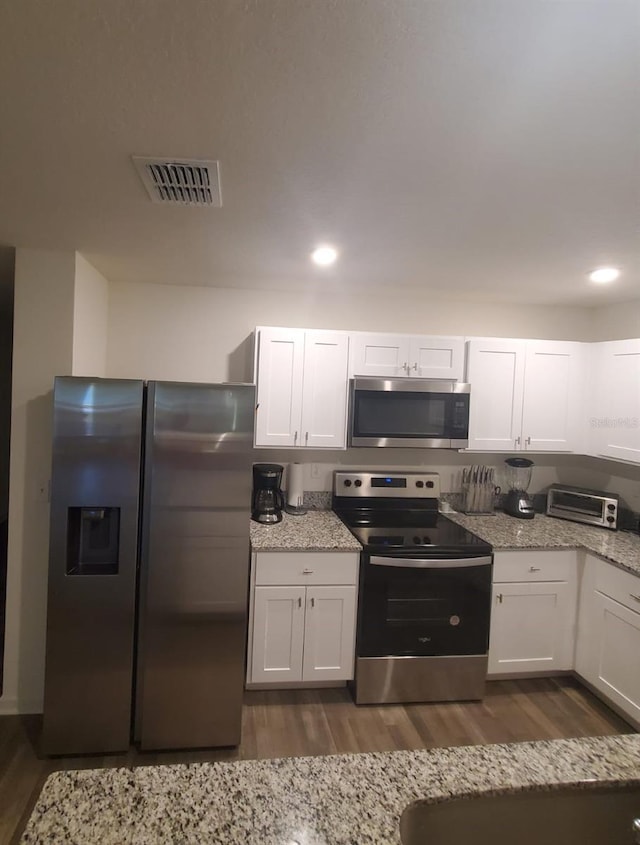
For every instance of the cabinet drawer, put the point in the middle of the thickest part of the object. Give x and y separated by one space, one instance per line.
619 585
534 566
274 568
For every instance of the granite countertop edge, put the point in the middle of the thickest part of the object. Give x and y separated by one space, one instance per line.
322 530
330 800
619 548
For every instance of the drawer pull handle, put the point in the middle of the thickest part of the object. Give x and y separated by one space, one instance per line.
299 602
307 571
636 598
534 569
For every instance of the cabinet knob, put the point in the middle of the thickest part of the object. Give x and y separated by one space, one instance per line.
295 436
313 602
415 366
499 597
299 601
528 441
517 441
306 437
405 366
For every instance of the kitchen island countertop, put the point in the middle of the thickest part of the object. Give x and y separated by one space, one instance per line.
315 531
545 533
333 800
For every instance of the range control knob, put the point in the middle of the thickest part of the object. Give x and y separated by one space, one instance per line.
416 541
358 483
611 507
430 484
347 482
610 519
419 483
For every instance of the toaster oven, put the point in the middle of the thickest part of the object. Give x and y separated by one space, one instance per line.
592 507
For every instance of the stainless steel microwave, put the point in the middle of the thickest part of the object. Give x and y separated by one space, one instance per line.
408 412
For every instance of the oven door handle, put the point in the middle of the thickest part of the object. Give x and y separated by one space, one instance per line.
426 563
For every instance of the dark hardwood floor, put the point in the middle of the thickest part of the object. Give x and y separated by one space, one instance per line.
310 722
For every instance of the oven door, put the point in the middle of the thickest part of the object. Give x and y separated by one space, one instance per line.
422 607
409 413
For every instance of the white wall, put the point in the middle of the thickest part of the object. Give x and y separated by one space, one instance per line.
203 334
616 322
200 334
90 318
42 349
579 470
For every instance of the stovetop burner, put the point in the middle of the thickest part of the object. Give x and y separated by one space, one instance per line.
402 517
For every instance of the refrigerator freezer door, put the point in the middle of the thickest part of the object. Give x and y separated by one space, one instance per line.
97 450
194 565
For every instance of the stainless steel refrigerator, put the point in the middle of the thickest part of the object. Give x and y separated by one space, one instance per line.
148 564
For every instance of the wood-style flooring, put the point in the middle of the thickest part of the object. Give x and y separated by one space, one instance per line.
310 722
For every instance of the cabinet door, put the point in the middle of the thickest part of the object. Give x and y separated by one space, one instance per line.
495 369
329 639
531 627
278 634
617 417
279 393
609 653
324 392
553 409
383 355
436 357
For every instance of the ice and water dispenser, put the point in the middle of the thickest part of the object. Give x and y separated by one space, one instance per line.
93 540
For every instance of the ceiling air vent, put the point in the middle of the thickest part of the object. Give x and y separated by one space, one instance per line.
180 181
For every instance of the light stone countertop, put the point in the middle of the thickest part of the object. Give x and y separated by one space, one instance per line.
545 532
334 800
314 532
321 530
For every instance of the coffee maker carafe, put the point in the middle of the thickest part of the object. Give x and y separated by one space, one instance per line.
267 502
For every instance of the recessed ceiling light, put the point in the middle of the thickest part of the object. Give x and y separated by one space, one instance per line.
324 255
604 274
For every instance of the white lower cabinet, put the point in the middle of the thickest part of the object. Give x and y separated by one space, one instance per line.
608 652
302 632
278 633
533 612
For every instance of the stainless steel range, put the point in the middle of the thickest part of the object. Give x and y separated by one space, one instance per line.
425 591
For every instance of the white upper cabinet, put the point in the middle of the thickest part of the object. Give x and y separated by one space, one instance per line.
525 395
615 409
384 355
279 391
391 355
324 390
437 357
495 370
301 388
553 413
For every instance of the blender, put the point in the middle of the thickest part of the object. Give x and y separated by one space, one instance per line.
517 502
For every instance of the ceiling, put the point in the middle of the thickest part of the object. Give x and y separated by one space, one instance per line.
485 149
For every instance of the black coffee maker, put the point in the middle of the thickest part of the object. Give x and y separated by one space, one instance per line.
267 501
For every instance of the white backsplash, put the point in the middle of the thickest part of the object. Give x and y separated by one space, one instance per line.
578 470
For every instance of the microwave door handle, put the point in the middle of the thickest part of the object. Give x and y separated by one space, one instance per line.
425 563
